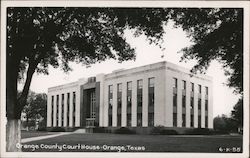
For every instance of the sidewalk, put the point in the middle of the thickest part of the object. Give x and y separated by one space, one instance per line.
25 140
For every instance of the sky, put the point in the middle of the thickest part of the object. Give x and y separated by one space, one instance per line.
174 40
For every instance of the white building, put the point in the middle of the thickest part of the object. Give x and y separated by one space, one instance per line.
160 94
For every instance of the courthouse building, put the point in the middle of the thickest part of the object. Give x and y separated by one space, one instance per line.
160 94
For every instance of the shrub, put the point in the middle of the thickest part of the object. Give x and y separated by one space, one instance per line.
199 131
57 129
99 130
162 131
124 130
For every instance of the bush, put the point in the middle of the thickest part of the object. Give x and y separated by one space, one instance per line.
199 131
124 130
57 129
162 131
99 130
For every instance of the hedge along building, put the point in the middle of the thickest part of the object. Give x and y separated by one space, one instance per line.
160 94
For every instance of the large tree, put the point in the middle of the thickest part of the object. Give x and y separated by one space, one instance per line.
39 37
217 34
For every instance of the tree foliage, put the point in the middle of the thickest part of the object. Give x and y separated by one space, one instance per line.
217 34
237 113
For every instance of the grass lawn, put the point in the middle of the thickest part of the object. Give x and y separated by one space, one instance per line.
28 134
150 143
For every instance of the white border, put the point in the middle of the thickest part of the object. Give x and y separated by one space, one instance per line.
228 4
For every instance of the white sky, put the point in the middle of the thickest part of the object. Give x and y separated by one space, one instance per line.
174 41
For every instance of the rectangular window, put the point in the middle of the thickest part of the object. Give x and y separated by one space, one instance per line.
175 119
119 120
192 103
129 94
110 103
206 105
68 101
206 90
183 120
192 121
199 121
62 109
57 110
129 120
151 82
139 93
150 119
139 84
206 121
119 95
175 82
110 120
184 101
192 87
199 104
52 111
129 86
183 84
74 108
200 89
139 119
175 100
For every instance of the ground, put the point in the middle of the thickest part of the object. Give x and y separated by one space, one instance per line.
132 143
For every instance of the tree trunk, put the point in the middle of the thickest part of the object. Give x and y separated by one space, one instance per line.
13 135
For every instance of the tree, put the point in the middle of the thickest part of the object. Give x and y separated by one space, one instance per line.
237 113
39 37
35 109
225 124
217 34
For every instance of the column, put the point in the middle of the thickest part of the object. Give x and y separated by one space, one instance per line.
145 103
203 106
196 91
179 102
71 109
188 90
169 100
49 110
210 106
134 104
54 111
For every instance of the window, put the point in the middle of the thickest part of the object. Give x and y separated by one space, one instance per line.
199 104
110 120
74 108
119 95
206 122
110 95
151 119
206 90
192 103
184 101
119 120
183 84
119 87
92 104
199 121
129 120
206 105
129 86
200 89
139 84
151 82
68 99
192 120
62 109
139 119
175 82
52 110
110 88
175 119
192 87
175 100
183 120
57 110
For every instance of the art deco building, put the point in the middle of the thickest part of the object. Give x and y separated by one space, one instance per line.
160 94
